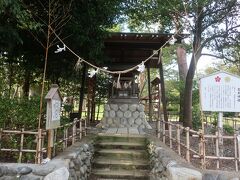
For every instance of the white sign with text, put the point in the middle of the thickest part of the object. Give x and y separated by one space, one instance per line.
220 92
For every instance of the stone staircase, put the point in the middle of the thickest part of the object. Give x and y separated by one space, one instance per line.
120 156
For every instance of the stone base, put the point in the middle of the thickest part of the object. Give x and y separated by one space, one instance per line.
118 115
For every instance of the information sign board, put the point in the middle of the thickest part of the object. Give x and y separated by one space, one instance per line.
220 92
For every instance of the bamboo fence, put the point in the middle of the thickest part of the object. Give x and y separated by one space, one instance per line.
192 144
64 135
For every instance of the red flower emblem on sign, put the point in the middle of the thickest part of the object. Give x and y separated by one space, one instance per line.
217 79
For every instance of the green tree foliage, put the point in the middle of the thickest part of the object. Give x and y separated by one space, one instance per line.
207 21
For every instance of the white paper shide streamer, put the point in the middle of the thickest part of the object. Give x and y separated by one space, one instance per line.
141 67
172 40
60 49
92 72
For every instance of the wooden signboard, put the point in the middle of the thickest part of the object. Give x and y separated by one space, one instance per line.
220 92
54 101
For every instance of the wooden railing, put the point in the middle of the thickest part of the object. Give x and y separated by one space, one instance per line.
193 144
64 136
19 139
68 134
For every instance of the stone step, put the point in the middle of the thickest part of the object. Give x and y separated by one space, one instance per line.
122 153
121 174
121 138
120 145
127 164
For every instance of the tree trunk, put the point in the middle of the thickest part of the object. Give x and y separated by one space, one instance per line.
150 112
26 85
81 94
187 113
182 68
93 99
10 79
164 101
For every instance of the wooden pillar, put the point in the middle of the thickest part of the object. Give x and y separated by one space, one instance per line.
164 102
149 92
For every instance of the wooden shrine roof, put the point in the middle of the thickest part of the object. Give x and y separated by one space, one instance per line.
125 50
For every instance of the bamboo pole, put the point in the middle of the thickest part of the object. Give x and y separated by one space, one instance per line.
1 130
217 149
164 132
158 129
80 129
39 147
85 127
170 134
188 145
235 152
178 140
21 146
54 140
73 131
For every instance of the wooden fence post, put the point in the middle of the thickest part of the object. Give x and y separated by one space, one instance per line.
39 147
1 130
187 145
54 140
235 152
217 148
158 129
21 146
202 148
74 131
178 139
164 132
85 127
170 134
80 129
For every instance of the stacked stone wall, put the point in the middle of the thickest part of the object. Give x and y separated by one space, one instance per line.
124 115
73 164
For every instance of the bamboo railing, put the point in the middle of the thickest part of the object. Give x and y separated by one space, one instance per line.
64 135
185 139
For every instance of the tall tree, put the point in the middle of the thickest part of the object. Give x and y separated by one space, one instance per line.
207 21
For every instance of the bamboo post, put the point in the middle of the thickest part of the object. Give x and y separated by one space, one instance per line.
187 145
158 129
50 143
217 149
164 132
54 140
1 130
74 131
21 146
80 129
178 139
85 127
39 147
170 134
202 148
235 152
66 138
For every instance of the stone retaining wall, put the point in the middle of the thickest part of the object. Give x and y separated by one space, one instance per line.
73 164
166 166
121 115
